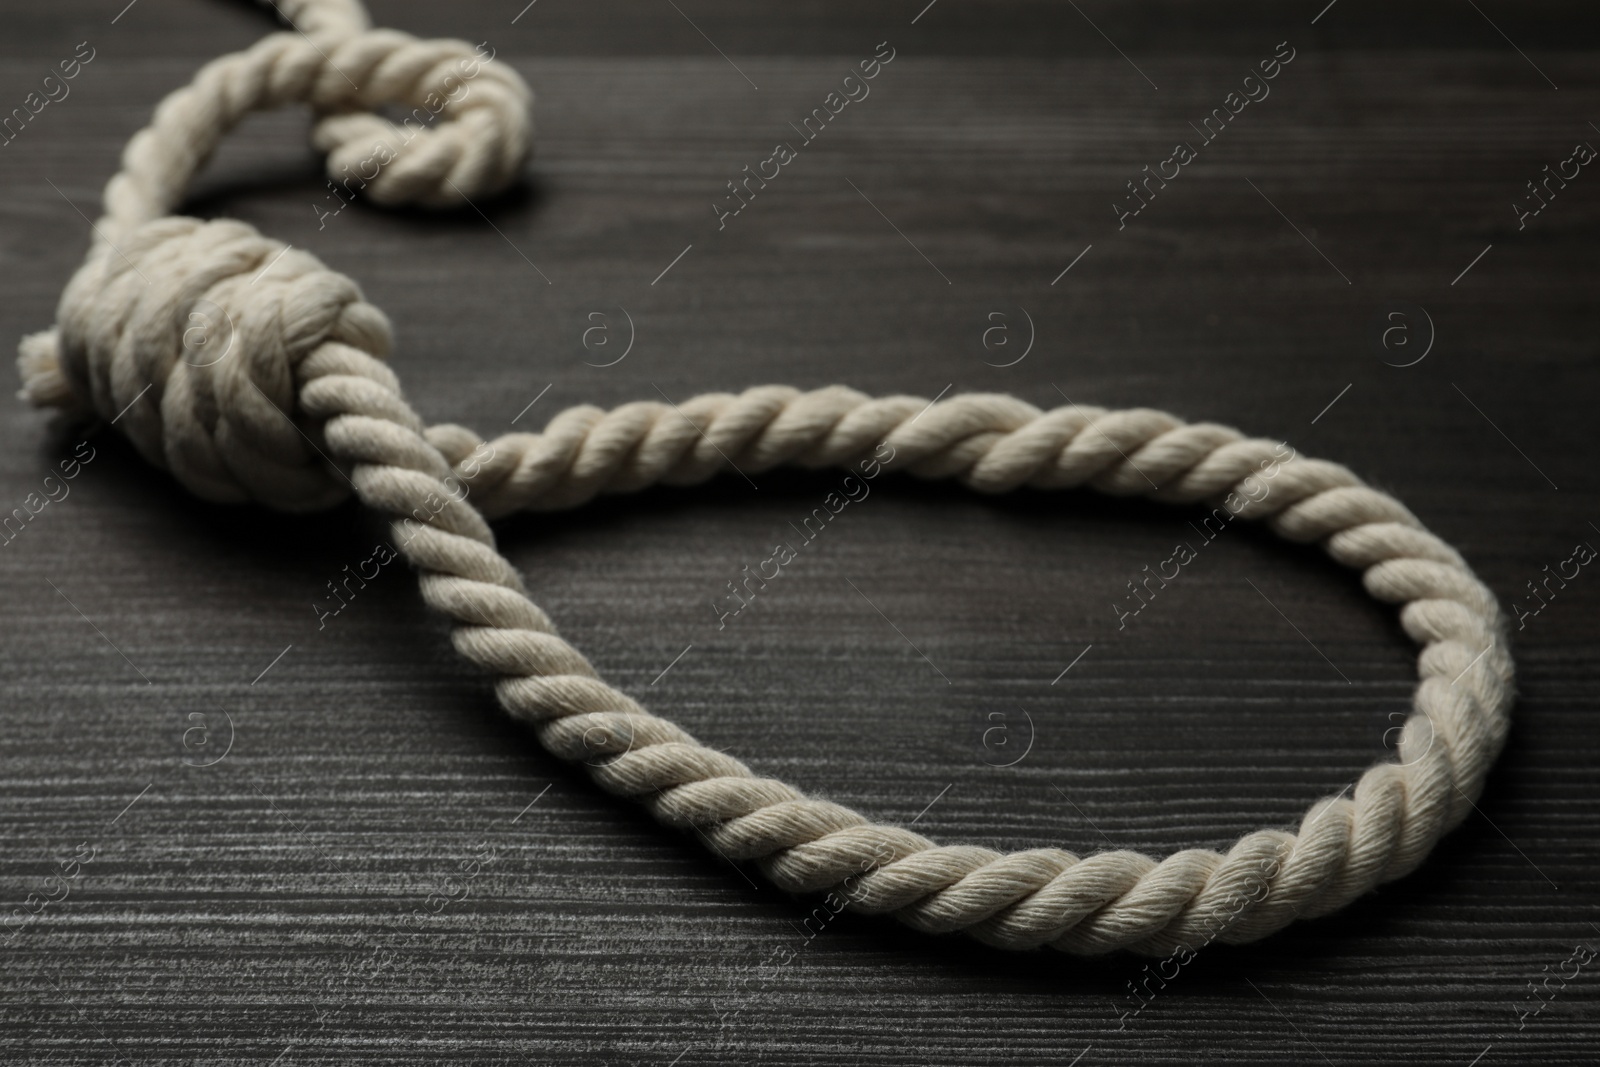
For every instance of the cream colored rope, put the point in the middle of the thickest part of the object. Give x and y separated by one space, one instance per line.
302 378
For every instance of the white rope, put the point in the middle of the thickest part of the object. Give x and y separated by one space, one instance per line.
303 379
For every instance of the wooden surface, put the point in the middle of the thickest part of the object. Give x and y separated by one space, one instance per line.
275 907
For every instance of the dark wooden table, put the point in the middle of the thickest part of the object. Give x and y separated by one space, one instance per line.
273 907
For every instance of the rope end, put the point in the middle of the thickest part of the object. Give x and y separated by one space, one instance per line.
39 365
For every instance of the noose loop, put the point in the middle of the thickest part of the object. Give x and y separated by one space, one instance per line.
244 367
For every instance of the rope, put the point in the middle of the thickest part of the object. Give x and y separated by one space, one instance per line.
297 410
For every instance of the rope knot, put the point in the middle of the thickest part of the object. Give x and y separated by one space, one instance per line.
188 335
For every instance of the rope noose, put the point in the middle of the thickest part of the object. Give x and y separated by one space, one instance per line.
302 377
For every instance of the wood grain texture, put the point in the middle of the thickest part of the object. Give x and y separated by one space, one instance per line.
265 909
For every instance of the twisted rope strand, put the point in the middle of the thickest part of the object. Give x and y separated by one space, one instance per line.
294 375
1045 896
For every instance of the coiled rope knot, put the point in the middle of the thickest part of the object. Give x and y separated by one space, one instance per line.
189 335
248 369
